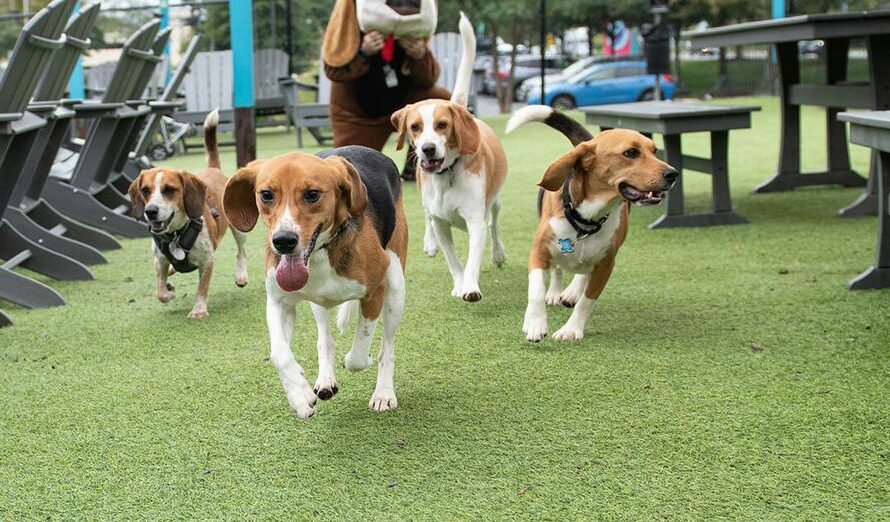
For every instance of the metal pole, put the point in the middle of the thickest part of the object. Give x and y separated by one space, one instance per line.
657 82
165 23
274 25
543 46
76 87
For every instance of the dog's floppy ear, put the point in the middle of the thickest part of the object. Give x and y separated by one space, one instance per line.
194 192
239 200
138 204
580 158
466 132
351 186
399 121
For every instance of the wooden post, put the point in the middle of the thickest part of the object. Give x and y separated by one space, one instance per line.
242 66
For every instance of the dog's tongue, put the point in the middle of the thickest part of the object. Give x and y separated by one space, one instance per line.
292 273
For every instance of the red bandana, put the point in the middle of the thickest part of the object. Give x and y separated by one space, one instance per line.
389 49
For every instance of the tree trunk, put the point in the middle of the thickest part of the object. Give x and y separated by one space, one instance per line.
495 66
591 34
722 71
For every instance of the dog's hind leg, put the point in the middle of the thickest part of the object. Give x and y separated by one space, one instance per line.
326 383
345 314
241 266
359 357
554 290
384 397
430 247
573 330
280 319
498 255
575 290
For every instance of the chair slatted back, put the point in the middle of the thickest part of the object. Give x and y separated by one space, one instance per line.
40 37
185 64
149 66
136 51
209 84
54 82
446 47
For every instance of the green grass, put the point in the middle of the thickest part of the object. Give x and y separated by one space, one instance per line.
118 406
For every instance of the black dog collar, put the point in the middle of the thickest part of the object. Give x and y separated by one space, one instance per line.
584 227
176 245
449 169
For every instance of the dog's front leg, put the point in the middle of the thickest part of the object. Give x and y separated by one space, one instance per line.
476 230
443 236
241 266
165 290
384 397
326 383
200 309
555 288
535 324
280 319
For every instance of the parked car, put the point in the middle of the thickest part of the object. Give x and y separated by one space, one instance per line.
533 84
527 66
612 82
811 47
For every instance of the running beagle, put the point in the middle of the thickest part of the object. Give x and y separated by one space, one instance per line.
336 234
583 207
185 218
462 168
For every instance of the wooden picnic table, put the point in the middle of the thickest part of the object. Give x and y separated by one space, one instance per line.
835 93
872 129
671 120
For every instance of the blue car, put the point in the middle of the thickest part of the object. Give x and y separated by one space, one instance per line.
611 82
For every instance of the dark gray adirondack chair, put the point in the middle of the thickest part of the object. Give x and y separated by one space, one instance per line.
140 161
30 57
31 216
79 196
4 319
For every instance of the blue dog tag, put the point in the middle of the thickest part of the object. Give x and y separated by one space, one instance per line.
565 245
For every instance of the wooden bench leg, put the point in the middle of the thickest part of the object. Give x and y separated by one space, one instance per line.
723 213
878 276
673 155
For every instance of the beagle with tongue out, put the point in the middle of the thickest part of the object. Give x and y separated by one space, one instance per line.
583 209
336 235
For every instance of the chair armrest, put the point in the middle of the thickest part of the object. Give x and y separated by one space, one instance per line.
11 116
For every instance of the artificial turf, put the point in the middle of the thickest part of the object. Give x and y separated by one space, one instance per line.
726 373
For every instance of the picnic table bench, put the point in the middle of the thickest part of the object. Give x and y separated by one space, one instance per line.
672 120
872 129
835 92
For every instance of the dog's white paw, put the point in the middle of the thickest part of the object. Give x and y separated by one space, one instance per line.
553 297
570 296
325 386
302 400
199 312
498 255
534 328
458 289
569 333
167 294
471 293
355 362
241 279
383 400
430 248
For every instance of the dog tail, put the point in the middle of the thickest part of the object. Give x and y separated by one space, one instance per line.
574 131
345 314
211 146
461 92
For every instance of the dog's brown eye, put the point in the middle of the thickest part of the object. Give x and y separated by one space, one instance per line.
168 190
146 191
441 125
311 195
632 153
266 196
415 127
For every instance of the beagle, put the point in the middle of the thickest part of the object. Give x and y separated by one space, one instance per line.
336 235
462 168
583 207
185 218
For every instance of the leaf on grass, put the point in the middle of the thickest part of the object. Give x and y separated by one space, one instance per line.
401 443
783 271
525 489
392 484
757 347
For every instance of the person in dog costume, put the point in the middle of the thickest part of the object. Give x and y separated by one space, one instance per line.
376 55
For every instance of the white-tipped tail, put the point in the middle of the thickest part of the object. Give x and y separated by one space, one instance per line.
345 314
461 92
526 114
211 147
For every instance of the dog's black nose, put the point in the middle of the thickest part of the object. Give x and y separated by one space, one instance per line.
429 150
285 242
151 212
670 174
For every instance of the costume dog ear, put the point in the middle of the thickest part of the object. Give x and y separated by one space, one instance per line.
466 132
580 158
138 204
399 120
194 192
239 200
351 186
